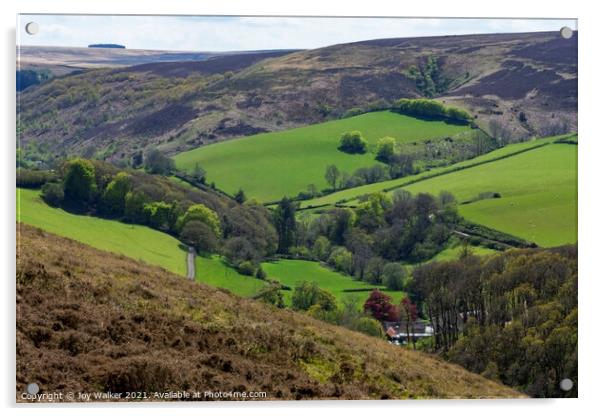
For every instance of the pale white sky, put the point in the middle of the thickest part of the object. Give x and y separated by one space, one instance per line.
194 33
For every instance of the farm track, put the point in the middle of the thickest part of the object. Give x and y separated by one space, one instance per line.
464 234
190 268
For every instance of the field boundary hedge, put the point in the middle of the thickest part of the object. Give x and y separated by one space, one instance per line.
445 172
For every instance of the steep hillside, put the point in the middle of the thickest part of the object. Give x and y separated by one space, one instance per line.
272 165
132 240
96 322
504 152
526 83
537 194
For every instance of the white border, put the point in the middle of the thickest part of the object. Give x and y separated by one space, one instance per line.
590 200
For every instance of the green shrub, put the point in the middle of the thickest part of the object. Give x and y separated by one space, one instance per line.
134 207
27 178
200 236
200 212
430 79
353 142
114 195
156 162
272 295
458 115
321 248
247 268
80 181
369 326
309 294
158 214
341 259
394 276
352 112
53 193
385 149
300 251
260 273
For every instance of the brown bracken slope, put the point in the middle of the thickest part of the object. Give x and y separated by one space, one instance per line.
90 321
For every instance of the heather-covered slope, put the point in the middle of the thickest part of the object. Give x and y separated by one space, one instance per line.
526 83
91 321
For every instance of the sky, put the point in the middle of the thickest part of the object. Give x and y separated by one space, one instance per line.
197 33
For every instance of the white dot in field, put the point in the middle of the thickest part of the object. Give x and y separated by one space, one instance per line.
32 28
566 32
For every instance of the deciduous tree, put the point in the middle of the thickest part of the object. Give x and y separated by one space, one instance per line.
332 176
80 181
380 307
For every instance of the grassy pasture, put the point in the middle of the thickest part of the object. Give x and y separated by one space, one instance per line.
269 166
352 193
538 189
214 272
292 272
135 241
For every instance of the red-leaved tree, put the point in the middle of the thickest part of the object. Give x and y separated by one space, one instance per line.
380 307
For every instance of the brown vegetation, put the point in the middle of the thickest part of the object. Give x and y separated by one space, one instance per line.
526 81
91 321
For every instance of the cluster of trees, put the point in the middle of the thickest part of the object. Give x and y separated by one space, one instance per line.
385 149
400 160
353 142
206 220
342 180
369 240
555 127
429 77
511 317
29 77
308 297
322 305
402 163
398 165
378 105
156 162
500 132
29 178
431 109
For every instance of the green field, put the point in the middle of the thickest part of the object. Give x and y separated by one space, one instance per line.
538 189
135 241
352 193
269 166
214 272
292 272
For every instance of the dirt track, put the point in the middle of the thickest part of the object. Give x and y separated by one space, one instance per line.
190 270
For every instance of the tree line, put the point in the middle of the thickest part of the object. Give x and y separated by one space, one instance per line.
511 317
431 109
205 219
